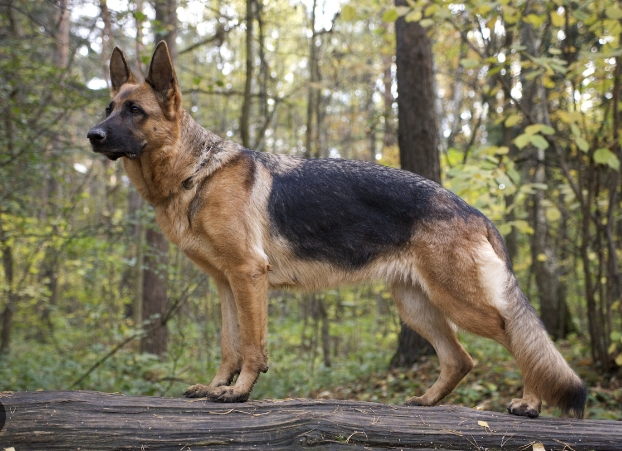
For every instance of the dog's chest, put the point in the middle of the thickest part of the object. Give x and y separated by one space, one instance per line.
173 220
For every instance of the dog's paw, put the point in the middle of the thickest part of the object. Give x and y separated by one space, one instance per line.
227 394
520 407
197 391
416 401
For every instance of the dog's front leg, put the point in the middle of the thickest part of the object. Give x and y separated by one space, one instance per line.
249 285
231 362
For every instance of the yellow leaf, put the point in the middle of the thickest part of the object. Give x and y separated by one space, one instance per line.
538 447
512 120
431 10
483 424
413 16
619 360
557 19
541 258
553 214
348 13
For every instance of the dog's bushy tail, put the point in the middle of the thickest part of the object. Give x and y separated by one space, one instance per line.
543 368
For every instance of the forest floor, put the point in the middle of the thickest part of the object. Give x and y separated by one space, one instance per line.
492 383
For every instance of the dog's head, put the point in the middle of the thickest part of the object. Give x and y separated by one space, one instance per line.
141 117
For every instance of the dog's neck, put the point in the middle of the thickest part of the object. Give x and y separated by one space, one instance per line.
158 174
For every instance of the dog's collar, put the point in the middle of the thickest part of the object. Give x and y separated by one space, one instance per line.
205 157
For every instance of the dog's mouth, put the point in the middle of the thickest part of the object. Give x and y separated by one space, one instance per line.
116 154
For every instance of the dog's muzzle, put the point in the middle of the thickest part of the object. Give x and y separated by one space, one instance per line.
97 136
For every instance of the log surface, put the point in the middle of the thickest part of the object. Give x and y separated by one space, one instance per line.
99 421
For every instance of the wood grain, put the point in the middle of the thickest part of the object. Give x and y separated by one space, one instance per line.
98 421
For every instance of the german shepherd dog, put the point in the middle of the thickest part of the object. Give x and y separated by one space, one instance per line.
255 221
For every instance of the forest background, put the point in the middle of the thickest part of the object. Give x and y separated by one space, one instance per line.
527 111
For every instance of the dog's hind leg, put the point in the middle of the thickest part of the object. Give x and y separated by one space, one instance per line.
417 312
231 362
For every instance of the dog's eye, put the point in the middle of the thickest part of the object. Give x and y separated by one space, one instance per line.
134 110
108 110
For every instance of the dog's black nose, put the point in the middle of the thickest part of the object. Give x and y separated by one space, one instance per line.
96 135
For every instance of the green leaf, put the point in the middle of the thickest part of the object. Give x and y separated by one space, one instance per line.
469 63
607 157
425 23
413 16
533 129
505 229
582 144
523 226
512 120
539 141
522 140
553 214
619 360
390 15
547 130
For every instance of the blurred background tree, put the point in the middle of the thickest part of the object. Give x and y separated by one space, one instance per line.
524 100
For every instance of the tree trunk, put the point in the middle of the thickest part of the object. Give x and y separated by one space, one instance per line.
417 137
544 259
9 293
311 144
102 421
246 106
155 302
48 274
388 139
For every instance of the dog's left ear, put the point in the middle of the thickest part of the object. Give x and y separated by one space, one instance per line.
163 80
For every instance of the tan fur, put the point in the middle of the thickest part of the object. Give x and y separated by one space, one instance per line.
212 202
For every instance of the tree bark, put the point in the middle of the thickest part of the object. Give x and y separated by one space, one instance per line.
311 144
91 420
9 293
155 302
544 258
417 137
246 106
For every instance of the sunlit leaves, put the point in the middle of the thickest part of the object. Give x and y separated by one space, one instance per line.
513 120
533 135
581 143
607 157
391 15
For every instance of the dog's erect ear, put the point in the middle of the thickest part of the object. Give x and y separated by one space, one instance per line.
120 72
163 80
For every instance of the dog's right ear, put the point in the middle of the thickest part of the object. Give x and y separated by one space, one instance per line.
120 72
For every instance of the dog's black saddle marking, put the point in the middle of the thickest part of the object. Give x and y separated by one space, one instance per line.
348 212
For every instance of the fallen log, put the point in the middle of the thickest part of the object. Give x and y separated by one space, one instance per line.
98 421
